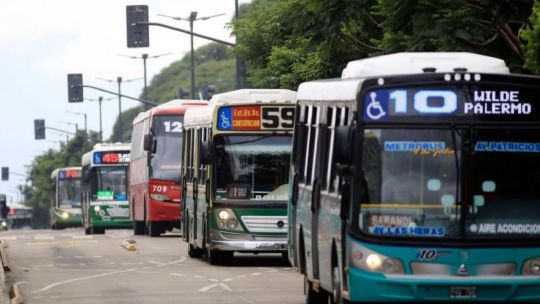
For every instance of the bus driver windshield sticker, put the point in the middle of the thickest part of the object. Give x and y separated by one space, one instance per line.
506 146
433 148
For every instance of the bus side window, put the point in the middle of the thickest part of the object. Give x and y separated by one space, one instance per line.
191 156
311 138
202 168
329 144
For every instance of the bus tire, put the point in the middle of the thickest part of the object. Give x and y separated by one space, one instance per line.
97 230
313 296
138 227
217 257
194 253
154 228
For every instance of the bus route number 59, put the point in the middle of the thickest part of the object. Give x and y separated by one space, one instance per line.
277 117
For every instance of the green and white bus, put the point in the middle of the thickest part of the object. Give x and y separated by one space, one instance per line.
65 198
104 188
236 164
416 178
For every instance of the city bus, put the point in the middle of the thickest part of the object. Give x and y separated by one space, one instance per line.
415 178
65 198
20 216
235 173
156 158
104 188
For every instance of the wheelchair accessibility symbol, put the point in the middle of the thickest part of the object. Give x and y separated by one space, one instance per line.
374 109
225 122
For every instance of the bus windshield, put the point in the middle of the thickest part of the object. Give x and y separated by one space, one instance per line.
505 179
69 193
166 162
252 167
109 183
411 181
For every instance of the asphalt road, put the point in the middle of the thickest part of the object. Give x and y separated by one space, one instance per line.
69 267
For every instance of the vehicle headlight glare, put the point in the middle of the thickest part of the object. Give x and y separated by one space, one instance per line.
65 215
159 197
531 267
373 261
223 215
232 224
4 223
97 208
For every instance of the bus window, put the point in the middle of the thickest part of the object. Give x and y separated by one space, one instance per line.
109 183
69 193
252 167
166 162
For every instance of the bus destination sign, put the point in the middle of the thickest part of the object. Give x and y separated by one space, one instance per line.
69 174
255 118
105 158
451 103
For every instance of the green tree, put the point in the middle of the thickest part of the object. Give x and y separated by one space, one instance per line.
214 64
531 40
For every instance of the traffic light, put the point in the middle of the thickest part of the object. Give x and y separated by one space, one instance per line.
4 209
182 94
137 34
208 91
75 88
5 173
39 129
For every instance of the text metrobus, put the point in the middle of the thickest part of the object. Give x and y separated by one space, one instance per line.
421 186
235 173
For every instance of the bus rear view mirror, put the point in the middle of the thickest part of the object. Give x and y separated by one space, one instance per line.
148 143
204 151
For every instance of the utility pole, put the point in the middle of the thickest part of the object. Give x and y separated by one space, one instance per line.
120 124
238 60
100 100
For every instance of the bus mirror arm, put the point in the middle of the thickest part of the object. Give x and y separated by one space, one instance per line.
148 145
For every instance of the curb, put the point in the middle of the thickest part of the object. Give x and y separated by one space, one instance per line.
129 245
4 293
16 294
4 257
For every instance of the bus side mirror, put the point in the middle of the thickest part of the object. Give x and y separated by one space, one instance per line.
343 150
148 143
204 152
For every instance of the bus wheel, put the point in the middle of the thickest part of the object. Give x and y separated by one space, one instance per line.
154 228
87 231
194 253
138 227
313 296
96 230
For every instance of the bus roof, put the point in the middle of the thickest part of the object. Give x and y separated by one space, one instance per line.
347 87
175 106
197 116
54 174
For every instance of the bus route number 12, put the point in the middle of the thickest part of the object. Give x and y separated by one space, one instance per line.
277 117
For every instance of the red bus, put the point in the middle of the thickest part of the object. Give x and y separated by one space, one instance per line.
155 167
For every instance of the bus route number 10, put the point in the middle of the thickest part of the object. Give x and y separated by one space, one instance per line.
277 117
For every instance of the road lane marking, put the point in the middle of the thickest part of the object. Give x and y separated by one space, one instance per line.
81 279
43 237
83 237
256 274
177 274
9 238
223 287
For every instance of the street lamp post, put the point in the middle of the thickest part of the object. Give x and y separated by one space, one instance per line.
85 119
71 124
100 100
144 57
192 18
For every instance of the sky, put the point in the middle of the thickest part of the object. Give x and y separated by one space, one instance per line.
41 41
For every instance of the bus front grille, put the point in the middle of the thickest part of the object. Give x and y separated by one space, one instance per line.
269 224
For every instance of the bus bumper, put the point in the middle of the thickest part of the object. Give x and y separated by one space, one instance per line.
376 287
247 242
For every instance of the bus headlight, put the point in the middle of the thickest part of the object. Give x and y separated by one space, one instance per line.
4 223
364 258
531 267
65 215
226 219
232 224
97 208
223 215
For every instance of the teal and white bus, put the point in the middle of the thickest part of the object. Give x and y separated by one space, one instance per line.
104 188
236 166
416 178
65 198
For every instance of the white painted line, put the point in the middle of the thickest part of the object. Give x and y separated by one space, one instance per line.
177 274
256 274
199 277
226 280
83 237
147 272
43 237
241 276
223 287
81 279
9 238
68 234
214 280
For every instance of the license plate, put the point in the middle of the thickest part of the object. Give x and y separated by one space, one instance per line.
463 292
